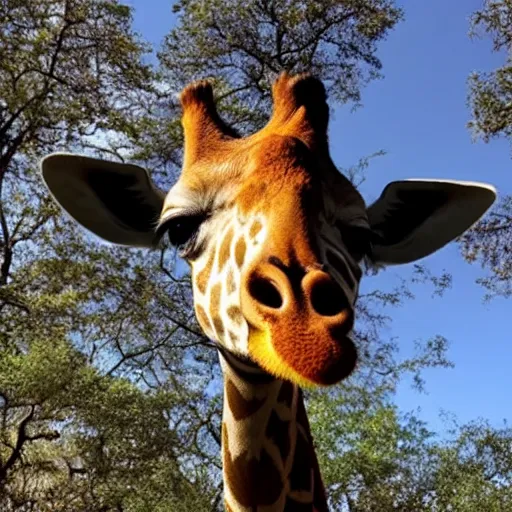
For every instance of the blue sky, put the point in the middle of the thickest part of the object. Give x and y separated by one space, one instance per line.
418 115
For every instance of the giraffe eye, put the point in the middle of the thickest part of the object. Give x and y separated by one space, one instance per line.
182 229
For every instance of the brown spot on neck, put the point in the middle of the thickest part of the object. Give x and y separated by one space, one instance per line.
301 473
279 432
230 283
252 482
235 314
219 328
307 448
286 393
240 407
215 298
215 301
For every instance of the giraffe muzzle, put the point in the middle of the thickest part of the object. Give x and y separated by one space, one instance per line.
299 325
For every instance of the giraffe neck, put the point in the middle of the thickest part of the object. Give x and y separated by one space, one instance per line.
269 462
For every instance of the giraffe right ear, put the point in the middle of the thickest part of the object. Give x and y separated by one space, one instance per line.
116 201
415 218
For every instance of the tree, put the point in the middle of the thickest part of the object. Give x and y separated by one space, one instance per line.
490 98
77 316
474 470
490 243
490 93
376 458
74 439
244 45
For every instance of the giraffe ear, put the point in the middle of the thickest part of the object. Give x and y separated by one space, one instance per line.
117 202
415 218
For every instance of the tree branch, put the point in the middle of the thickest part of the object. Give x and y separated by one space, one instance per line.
22 437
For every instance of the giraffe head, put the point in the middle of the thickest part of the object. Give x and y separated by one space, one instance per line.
273 232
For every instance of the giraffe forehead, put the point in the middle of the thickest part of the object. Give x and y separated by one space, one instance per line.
271 160
255 171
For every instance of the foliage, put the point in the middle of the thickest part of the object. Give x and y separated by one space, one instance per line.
376 458
490 93
79 318
490 243
243 45
490 97
67 69
75 439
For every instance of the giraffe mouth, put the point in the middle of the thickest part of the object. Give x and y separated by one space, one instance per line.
306 358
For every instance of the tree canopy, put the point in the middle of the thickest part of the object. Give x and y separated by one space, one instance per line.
82 428
490 98
490 92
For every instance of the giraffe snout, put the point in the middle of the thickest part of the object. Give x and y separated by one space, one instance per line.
300 323
273 293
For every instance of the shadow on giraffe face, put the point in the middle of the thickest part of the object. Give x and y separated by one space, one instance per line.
273 232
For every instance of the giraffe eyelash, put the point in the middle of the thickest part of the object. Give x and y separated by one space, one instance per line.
182 230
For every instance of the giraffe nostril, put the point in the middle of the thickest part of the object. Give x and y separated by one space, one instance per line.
265 292
327 298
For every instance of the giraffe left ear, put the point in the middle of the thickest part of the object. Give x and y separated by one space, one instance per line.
415 218
117 202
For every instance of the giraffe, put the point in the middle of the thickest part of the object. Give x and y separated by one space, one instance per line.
275 237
